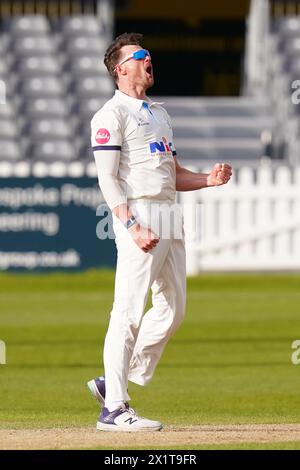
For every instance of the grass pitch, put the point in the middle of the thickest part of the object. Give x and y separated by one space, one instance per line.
230 362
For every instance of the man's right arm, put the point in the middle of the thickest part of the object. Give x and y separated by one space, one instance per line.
106 144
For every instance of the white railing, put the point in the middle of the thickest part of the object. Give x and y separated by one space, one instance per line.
252 223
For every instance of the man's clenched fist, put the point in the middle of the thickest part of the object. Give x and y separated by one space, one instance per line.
143 237
220 174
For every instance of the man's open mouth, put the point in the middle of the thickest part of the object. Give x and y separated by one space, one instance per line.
149 70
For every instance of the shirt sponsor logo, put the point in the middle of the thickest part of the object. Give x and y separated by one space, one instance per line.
102 136
161 147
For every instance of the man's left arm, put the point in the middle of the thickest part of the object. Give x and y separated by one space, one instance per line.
187 180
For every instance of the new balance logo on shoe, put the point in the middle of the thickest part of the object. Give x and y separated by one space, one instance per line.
130 420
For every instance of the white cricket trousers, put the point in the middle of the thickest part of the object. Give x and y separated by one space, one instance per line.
134 342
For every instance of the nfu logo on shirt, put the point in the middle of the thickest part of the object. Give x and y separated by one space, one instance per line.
161 147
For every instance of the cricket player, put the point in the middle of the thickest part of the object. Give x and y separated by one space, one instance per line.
135 155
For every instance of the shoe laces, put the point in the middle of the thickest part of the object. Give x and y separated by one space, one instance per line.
131 411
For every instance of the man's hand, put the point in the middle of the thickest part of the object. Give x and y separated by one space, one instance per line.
220 174
143 237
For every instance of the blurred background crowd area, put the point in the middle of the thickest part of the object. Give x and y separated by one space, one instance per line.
224 69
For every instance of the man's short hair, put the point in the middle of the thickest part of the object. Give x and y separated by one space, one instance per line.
112 55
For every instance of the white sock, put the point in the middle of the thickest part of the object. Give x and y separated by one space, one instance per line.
113 405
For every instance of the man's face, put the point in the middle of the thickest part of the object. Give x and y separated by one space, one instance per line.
138 72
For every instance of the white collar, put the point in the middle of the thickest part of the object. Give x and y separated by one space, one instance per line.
135 102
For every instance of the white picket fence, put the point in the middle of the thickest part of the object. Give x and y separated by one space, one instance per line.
252 223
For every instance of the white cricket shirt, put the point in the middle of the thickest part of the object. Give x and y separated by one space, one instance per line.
141 132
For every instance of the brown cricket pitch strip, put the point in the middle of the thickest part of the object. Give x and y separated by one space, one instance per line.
88 437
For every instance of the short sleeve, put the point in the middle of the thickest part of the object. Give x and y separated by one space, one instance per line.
106 132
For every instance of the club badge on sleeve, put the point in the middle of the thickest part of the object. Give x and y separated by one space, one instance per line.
102 136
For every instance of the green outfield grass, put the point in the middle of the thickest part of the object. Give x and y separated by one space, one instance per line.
229 362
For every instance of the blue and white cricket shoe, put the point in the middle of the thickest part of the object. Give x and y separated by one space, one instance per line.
125 419
97 389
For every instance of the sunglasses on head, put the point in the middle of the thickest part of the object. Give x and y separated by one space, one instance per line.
136 55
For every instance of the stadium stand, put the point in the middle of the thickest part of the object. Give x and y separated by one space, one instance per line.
283 74
211 129
56 81
52 73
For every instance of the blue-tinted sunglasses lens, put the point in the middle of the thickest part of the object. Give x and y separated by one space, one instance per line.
141 54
